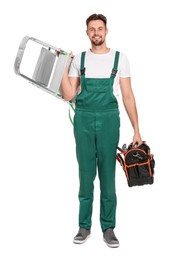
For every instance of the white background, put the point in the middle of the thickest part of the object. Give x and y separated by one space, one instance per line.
38 168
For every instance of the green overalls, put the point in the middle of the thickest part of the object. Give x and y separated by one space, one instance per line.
96 130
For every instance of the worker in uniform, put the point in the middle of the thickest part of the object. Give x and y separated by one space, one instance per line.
93 79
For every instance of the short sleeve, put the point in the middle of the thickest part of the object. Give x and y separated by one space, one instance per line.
74 70
124 67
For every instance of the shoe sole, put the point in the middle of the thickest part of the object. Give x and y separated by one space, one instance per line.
111 245
81 241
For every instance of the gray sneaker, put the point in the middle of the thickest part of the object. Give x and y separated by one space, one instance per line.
82 236
110 238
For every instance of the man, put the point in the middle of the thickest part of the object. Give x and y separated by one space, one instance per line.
94 78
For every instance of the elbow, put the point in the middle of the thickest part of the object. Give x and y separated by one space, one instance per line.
128 98
68 97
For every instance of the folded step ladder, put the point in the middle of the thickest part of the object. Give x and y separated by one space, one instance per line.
41 64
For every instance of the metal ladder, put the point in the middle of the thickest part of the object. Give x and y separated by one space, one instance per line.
49 64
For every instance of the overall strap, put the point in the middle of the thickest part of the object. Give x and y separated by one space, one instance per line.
82 68
115 68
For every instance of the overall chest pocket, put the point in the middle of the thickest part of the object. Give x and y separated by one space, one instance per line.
99 85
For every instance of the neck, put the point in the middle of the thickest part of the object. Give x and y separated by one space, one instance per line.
102 49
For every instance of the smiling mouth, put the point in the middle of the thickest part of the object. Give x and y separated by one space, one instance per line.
96 37
97 40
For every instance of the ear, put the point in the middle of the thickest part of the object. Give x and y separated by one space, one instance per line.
106 30
87 31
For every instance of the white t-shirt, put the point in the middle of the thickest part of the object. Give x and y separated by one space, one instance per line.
100 66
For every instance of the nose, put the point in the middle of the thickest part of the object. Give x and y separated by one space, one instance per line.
96 32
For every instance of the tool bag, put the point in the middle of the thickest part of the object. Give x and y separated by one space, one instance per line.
138 164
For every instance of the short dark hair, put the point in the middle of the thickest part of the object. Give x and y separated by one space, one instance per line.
96 17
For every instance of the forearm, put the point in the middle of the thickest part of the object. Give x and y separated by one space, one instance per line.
130 106
66 87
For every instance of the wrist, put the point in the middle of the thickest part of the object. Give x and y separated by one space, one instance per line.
136 131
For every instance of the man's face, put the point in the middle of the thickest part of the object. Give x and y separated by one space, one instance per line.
97 32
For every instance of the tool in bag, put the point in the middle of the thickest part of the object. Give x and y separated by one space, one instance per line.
41 64
138 164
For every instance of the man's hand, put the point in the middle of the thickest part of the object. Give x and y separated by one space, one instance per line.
137 140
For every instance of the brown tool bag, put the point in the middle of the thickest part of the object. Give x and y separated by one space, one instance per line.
138 164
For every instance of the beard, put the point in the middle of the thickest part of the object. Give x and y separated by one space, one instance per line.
97 42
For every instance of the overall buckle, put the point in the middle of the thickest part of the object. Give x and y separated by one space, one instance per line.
114 72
